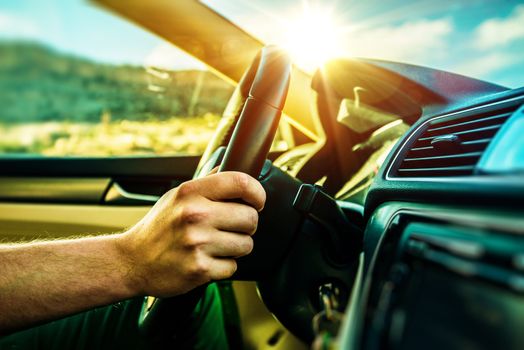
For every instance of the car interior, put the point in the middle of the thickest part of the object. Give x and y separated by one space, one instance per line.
394 219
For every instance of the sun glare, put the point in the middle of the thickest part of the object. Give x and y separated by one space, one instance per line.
312 37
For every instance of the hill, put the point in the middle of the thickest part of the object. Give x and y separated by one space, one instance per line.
39 84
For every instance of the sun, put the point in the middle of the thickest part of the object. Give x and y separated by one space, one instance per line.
312 37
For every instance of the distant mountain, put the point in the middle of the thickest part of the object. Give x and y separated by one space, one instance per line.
40 84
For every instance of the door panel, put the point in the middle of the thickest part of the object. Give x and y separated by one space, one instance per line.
63 197
54 189
20 222
92 180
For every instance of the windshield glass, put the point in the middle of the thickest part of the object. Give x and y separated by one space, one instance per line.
76 80
479 38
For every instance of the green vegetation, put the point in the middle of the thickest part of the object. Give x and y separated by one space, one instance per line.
174 136
57 104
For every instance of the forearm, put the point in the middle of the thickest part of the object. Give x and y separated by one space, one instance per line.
187 239
43 281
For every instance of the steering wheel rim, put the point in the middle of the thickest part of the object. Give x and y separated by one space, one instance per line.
248 127
270 61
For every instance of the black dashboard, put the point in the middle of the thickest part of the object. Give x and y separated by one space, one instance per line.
443 259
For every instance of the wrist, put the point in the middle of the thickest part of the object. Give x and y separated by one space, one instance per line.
126 255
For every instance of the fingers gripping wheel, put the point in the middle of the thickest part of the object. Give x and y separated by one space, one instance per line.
264 86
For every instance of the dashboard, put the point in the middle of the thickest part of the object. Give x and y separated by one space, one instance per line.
436 162
445 237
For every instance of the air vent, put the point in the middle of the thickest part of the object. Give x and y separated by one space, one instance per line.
452 146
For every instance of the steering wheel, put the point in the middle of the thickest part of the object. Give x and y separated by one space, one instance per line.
248 126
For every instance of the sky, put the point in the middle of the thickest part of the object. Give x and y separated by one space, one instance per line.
479 38
483 39
83 29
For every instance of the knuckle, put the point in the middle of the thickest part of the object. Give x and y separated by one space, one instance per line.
241 181
263 196
199 269
193 239
243 246
253 220
248 246
232 268
185 189
191 214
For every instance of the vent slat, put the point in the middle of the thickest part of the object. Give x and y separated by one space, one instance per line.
454 120
460 155
477 142
427 148
466 132
453 168
465 136
462 139
465 147
437 171
453 160
499 119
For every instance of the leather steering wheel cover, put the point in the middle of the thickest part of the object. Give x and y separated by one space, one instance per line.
255 84
271 62
231 114
258 122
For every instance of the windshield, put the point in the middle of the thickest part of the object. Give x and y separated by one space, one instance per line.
76 80
479 38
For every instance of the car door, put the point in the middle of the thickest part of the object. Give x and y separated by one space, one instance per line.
62 197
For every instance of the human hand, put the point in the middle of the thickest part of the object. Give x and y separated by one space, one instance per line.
193 234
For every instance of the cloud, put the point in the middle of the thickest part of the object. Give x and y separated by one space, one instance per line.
496 32
417 40
14 27
411 41
483 65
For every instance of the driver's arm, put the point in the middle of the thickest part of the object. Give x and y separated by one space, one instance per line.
188 238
